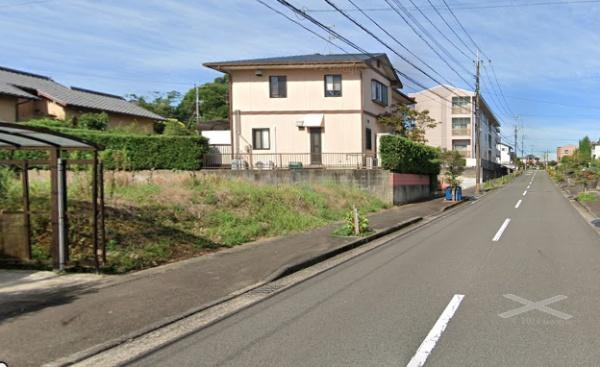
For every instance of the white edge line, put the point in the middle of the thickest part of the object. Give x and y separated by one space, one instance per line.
524 192
426 347
501 230
518 204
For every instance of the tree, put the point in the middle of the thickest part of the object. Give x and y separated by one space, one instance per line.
213 101
453 165
164 104
585 151
408 122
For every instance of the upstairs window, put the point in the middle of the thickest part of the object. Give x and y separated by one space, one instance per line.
333 85
379 92
278 86
261 139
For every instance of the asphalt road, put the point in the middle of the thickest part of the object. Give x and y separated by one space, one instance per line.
379 308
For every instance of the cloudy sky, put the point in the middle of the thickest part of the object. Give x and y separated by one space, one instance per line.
546 53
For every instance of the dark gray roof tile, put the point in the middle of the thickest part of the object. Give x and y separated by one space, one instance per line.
78 97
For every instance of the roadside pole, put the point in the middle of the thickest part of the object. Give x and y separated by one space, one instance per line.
477 130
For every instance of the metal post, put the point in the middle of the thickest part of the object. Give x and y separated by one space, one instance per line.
54 155
102 227
478 130
26 206
62 251
95 209
356 221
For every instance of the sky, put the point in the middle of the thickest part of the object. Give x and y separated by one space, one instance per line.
545 53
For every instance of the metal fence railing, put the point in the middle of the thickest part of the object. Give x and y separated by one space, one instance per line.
218 159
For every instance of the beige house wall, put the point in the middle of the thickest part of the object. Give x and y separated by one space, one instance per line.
8 108
40 108
345 118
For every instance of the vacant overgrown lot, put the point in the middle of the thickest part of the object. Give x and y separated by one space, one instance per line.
149 223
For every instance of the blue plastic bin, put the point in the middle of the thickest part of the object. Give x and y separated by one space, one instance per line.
459 193
449 193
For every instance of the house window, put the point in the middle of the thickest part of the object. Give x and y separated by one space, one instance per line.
379 92
461 122
278 86
461 104
333 85
368 139
261 139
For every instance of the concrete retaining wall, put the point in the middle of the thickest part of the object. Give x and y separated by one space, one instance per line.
392 188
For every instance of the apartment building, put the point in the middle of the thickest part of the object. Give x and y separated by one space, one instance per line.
318 110
453 109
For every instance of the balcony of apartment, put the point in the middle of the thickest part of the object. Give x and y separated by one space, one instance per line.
461 110
464 152
461 131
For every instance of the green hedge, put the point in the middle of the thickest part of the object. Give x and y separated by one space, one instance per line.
401 155
137 152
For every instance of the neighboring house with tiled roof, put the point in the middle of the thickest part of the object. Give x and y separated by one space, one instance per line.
316 109
24 96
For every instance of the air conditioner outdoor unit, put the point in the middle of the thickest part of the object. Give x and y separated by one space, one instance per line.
265 165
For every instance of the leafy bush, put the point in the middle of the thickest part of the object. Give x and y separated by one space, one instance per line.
401 155
93 121
135 152
587 196
348 228
174 128
6 175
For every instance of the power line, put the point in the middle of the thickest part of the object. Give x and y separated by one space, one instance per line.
439 31
416 22
450 27
478 48
398 42
344 39
427 43
358 24
302 25
476 7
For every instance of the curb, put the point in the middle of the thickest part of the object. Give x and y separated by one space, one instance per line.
454 205
284 271
303 264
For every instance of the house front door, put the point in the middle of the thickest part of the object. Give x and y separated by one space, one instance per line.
315 146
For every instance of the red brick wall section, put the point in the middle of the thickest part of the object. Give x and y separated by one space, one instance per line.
406 179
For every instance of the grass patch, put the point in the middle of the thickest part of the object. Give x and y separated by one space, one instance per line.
151 223
587 197
498 182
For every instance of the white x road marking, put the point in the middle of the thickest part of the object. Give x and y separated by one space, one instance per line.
539 305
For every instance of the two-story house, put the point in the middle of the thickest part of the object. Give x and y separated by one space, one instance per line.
453 109
319 110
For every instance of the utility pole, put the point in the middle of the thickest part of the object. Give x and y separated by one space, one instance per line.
197 104
516 143
477 130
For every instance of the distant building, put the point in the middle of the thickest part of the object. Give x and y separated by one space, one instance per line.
25 96
453 109
565 151
507 156
596 150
